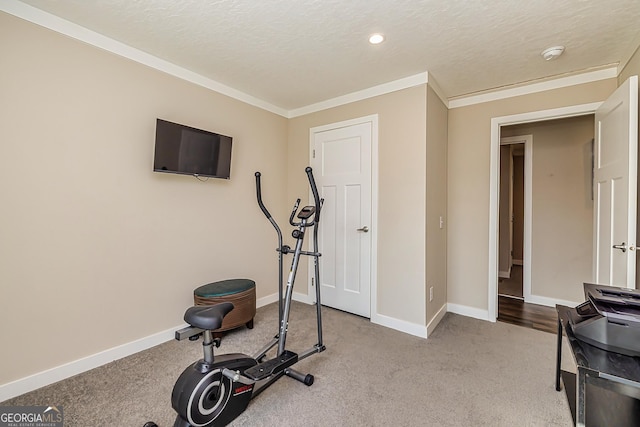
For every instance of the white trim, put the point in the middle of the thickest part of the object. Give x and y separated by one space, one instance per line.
75 31
400 325
550 302
306 299
374 215
504 274
431 326
297 296
50 376
438 90
382 89
343 124
62 26
527 140
494 200
496 123
527 248
463 310
373 119
526 89
269 299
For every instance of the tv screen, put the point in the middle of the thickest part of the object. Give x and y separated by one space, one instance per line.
190 151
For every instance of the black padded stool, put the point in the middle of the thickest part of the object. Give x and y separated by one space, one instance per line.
240 292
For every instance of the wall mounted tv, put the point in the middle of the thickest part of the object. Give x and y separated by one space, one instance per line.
190 151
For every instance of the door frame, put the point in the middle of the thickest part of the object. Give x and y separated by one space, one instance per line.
527 140
373 119
494 173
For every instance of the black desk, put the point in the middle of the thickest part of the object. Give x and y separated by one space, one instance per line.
609 382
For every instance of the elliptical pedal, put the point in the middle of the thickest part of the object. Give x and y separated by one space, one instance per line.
272 366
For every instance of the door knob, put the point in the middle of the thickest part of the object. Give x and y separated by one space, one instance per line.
364 229
622 247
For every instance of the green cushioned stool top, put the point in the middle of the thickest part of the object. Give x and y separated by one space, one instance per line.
224 287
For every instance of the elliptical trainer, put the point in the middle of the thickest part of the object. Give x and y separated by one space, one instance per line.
214 391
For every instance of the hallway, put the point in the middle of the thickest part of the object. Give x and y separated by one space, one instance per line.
512 286
513 309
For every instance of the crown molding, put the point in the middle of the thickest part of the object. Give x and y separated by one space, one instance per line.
75 31
382 89
526 89
438 90
62 26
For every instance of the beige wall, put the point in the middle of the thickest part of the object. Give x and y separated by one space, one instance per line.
436 199
562 206
468 182
96 250
89 230
401 192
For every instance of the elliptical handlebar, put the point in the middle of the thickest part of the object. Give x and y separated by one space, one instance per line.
293 213
316 197
259 194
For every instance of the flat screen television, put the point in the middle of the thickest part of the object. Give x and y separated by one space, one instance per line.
190 151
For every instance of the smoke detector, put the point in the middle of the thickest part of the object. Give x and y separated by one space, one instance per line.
552 53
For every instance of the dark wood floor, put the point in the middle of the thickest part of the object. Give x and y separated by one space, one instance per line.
517 312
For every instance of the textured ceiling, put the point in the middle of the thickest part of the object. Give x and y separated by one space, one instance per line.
294 53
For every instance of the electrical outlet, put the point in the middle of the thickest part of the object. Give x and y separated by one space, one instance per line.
441 222
431 294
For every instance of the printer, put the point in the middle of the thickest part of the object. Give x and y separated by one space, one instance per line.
609 319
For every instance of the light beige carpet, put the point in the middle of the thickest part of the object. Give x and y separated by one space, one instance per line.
468 373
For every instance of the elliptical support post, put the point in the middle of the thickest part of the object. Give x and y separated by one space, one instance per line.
318 202
317 283
279 233
284 324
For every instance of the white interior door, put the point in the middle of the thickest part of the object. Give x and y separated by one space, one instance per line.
615 187
342 168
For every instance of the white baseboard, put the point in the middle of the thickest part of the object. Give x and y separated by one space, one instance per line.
504 274
307 299
431 326
400 325
464 310
549 302
261 302
517 262
50 376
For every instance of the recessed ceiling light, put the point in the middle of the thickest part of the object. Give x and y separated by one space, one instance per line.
552 53
376 38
